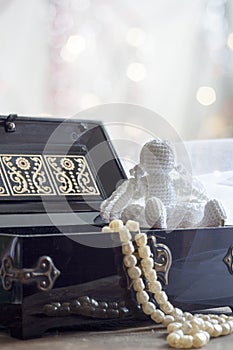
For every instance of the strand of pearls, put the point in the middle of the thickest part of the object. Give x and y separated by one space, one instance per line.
184 329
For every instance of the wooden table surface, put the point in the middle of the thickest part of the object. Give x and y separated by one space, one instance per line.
147 338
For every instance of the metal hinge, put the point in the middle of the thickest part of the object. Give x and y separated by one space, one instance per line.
44 274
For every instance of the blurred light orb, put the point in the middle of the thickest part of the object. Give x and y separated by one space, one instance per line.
206 95
136 71
66 55
135 37
89 100
230 41
74 46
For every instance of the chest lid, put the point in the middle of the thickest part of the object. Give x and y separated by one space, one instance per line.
55 161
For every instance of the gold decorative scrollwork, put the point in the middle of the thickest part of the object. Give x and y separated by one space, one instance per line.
39 178
66 186
26 175
72 175
84 178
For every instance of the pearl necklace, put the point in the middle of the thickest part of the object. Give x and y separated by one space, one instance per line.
184 329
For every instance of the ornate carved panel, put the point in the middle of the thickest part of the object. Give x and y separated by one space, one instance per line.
26 175
72 175
36 175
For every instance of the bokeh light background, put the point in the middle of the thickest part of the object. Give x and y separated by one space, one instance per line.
59 57
175 57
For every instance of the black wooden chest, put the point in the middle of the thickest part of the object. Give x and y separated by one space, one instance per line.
58 270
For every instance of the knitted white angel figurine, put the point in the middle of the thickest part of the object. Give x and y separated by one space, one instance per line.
161 194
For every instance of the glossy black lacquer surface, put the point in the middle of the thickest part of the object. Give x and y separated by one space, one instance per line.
201 272
72 136
85 272
199 278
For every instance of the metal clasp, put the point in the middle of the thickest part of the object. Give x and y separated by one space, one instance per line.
44 274
10 123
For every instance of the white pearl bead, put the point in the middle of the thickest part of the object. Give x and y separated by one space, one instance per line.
115 225
151 275
224 316
134 272
106 229
208 327
199 321
174 326
127 248
187 327
205 317
130 260
221 320
132 226
217 330
197 325
138 285
177 313
141 239
207 335
199 339
173 340
142 297
167 307
213 321
161 297
144 251
148 308
124 234
188 316
226 329
231 324
155 287
157 316
167 320
186 342
180 332
147 263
